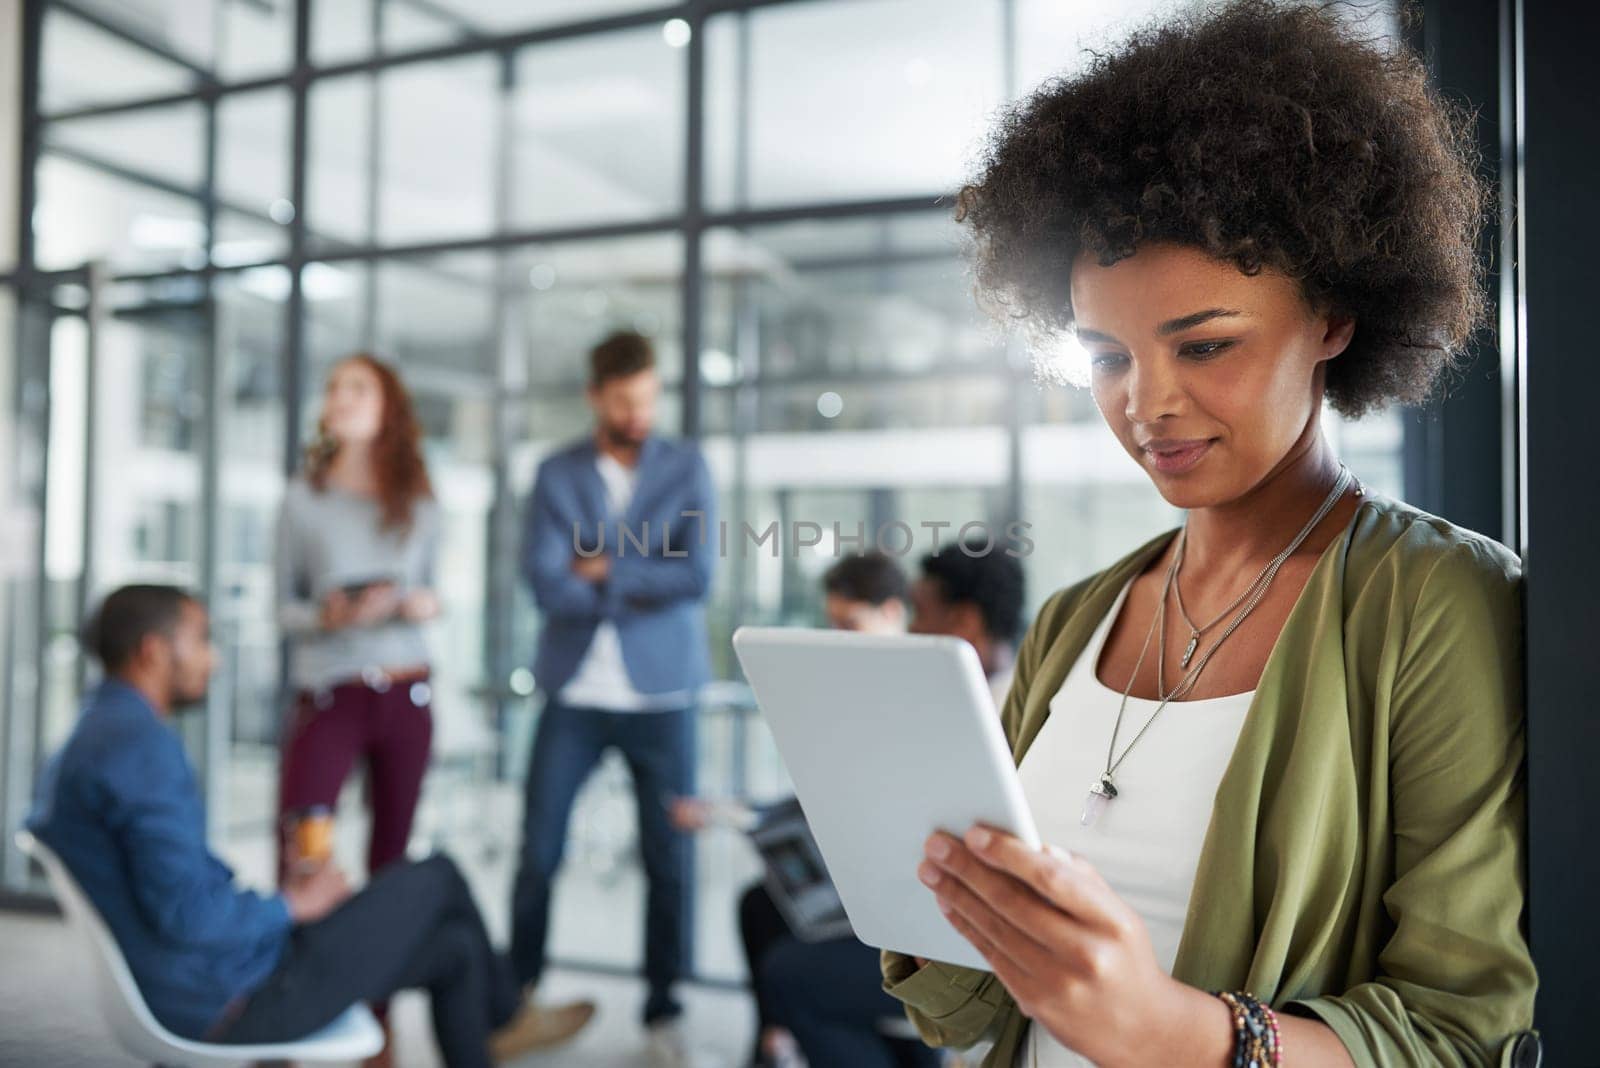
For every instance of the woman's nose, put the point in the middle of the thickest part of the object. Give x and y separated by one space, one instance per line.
1153 391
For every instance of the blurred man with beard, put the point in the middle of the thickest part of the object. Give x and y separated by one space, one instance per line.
616 549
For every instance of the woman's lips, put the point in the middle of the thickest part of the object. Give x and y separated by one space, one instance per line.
1176 457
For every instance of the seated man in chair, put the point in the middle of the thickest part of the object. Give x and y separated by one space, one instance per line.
120 806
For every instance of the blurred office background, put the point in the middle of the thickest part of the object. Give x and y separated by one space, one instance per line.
225 199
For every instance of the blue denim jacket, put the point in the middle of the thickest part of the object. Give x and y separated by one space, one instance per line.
120 806
656 598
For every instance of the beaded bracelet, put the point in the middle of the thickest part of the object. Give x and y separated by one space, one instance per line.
1256 1040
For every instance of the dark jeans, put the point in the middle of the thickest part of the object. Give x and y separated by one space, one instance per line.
659 750
830 996
390 729
761 926
415 925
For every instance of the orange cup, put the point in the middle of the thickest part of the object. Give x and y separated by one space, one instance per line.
313 837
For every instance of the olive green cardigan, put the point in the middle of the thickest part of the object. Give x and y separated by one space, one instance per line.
1364 860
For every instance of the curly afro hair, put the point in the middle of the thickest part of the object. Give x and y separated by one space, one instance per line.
1265 134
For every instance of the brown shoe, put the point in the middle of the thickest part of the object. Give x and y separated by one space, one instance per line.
536 1027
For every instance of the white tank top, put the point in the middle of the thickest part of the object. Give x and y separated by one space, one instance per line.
1147 841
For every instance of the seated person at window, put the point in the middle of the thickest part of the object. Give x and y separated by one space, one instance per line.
119 804
973 590
827 995
865 593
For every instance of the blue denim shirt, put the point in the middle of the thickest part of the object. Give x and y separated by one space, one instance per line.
120 806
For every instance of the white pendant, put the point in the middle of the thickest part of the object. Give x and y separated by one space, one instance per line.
1094 803
1188 653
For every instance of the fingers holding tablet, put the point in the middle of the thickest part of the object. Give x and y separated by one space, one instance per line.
999 916
1045 895
1010 974
1065 880
951 865
1064 945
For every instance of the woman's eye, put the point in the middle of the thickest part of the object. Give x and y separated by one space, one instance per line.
1203 349
1107 361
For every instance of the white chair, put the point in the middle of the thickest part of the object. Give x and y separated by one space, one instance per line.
353 1036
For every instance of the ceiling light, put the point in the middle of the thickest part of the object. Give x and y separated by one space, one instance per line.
718 368
676 33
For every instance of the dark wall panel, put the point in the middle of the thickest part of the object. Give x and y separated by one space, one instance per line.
1561 239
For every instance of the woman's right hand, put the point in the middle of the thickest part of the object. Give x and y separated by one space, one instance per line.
373 605
377 604
337 611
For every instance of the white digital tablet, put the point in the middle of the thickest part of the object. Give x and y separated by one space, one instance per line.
887 738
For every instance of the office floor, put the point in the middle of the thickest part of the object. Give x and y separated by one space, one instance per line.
48 1018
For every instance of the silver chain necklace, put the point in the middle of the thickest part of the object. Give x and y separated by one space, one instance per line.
1177 594
1103 791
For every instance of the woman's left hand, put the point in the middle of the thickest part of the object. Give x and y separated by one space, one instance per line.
420 606
1075 957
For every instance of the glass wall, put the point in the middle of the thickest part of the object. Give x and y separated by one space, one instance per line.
481 215
22 450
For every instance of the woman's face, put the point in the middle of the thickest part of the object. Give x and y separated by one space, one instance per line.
352 404
1207 376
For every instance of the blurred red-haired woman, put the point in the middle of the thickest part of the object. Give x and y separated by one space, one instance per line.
357 543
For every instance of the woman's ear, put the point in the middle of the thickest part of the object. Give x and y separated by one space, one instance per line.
1336 335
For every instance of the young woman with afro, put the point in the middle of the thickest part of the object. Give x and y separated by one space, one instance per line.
1277 753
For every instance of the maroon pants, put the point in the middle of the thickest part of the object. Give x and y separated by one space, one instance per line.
387 724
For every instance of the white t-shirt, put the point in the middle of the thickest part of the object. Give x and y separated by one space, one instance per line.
1000 685
1147 841
601 680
